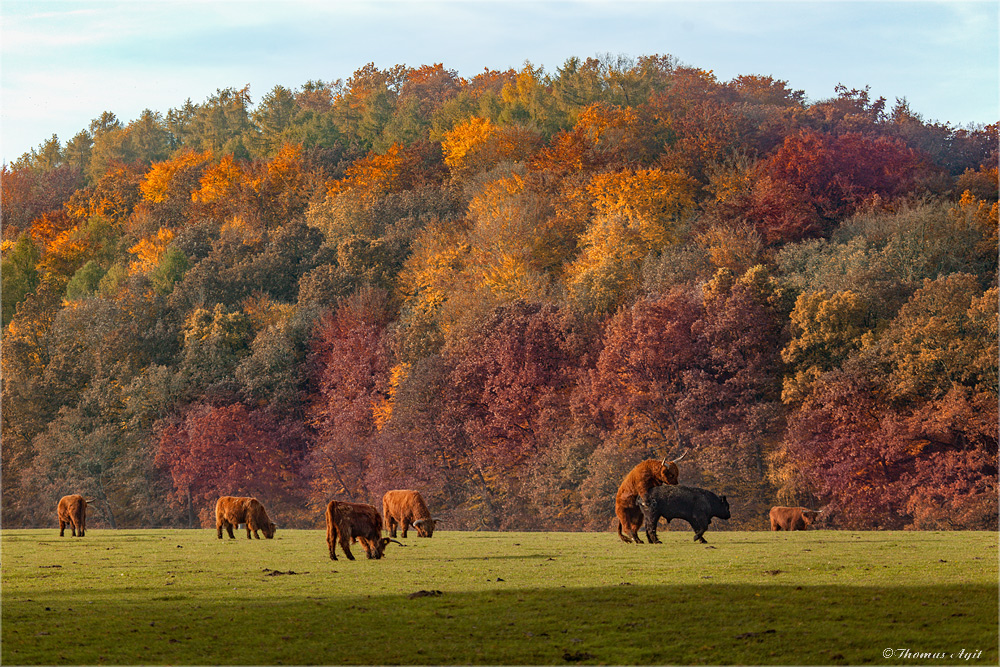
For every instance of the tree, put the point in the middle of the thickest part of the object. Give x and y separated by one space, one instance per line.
229 450
826 328
814 179
351 360
20 277
511 377
637 213
904 433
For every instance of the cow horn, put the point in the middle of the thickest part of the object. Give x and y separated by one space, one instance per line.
389 539
681 456
436 520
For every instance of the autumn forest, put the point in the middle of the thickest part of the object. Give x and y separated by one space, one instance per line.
505 291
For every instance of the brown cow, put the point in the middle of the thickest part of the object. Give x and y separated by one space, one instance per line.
638 482
231 511
792 518
354 522
406 508
72 512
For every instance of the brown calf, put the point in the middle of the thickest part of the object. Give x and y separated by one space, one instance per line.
354 522
231 511
792 518
72 512
406 508
645 476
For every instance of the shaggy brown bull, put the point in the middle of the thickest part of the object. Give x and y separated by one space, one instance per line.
638 482
72 512
231 511
354 522
406 508
792 518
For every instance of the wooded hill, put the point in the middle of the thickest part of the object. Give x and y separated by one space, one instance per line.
505 291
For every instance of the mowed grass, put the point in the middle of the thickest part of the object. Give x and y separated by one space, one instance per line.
185 597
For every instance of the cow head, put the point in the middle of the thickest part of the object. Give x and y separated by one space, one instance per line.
668 471
425 527
723 509
268 529
376 548
810 516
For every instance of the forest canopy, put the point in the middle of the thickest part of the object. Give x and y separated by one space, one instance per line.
505 291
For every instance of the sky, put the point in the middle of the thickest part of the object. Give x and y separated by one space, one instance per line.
62 64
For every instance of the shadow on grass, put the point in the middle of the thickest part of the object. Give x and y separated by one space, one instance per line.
679 624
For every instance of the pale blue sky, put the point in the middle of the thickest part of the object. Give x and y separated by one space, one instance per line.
64 63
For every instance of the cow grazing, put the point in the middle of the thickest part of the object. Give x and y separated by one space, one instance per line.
792 518
645 476
72 512
231 511
354 522
406 508
694 505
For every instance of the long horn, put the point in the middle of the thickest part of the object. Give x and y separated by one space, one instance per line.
681 456
389 539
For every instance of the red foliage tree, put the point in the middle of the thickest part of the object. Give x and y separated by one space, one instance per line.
351 361
814 180
510 382
230 450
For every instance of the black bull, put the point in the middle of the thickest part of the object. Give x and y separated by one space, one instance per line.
694 505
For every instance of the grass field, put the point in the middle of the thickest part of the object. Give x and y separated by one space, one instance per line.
185 597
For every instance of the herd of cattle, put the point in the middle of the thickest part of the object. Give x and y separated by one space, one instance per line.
649 492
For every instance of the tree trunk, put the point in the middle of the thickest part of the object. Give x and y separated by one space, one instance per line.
190 509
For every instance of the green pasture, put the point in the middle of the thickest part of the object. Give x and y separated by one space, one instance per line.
185 597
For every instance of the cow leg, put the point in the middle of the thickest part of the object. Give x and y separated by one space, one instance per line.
345 542
229 529
72 527
392 527
62 528
624 538
651 533
406 526
331 541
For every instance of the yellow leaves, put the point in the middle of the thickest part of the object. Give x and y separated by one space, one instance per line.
477 145
375 174
382 406
220 182
438 258
158 182
980 215
647 198
463 139
509 239
734 247
263 311
284 171
597 120
149 251
825 329
637 212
